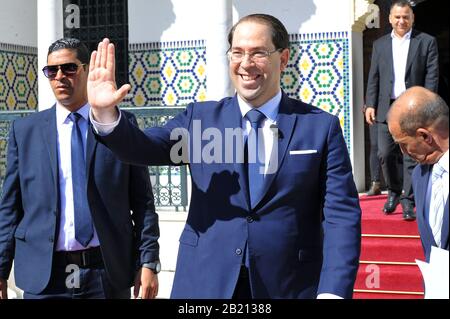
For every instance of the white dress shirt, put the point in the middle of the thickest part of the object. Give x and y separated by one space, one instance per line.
400 49
66 238
436 218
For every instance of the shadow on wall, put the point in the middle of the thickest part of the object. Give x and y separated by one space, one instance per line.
303 11
148 20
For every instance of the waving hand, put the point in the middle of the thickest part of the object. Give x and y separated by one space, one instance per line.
103 94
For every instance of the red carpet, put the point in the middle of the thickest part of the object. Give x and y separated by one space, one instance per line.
388 249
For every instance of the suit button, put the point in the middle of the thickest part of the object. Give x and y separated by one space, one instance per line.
238 251
50 239
250 219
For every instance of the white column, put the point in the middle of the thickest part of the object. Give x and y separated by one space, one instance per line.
357 119
220 22
364 14
50 29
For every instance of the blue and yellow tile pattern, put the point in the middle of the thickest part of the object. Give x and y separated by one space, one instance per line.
318 74
167 73
18 78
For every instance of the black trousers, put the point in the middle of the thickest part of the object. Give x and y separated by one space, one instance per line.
71 281
374 160
397 167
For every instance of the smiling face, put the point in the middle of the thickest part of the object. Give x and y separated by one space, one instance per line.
256 82
69 90
401 19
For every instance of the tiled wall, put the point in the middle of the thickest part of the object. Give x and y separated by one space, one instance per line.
318 74
18 78
169 73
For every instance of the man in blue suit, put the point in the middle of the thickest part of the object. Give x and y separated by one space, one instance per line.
418 122
288 227
77 222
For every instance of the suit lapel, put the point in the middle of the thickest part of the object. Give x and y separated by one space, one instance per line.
412 51
49 137
233 119
286 123
91 144
389 58
422 190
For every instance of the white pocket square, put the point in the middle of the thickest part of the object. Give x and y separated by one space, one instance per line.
302 152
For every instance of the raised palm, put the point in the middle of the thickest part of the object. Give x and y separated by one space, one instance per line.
103 94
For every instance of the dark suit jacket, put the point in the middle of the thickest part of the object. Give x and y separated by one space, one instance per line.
420 177
303 236
422 69
29 209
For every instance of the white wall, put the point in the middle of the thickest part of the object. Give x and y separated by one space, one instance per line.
301 16
172 20
166 20
18 22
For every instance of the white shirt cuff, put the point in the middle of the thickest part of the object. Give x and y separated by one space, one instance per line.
328 296
104 129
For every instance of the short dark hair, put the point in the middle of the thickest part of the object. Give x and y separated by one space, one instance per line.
401 3
280 36
71 44
433 112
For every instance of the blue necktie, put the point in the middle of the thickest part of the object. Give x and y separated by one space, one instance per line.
83 223
255 151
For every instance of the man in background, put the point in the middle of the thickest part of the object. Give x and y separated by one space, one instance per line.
401 59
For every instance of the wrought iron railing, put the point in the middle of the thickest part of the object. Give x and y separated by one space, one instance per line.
169 182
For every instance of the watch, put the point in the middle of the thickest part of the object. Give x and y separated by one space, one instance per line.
154 266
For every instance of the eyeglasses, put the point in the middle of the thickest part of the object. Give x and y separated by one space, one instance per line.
237 56
68 69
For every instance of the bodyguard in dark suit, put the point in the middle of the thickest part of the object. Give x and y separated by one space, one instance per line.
400 60
76 221
418 121
284 228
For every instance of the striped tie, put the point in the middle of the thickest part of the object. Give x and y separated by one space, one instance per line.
437 203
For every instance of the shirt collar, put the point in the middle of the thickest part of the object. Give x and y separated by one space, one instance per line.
407 36
62 113
269 109
443 161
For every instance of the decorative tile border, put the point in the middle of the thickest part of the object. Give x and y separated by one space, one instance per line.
18 77
318 74
167 73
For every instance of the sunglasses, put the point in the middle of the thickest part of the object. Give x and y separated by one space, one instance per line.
68 69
